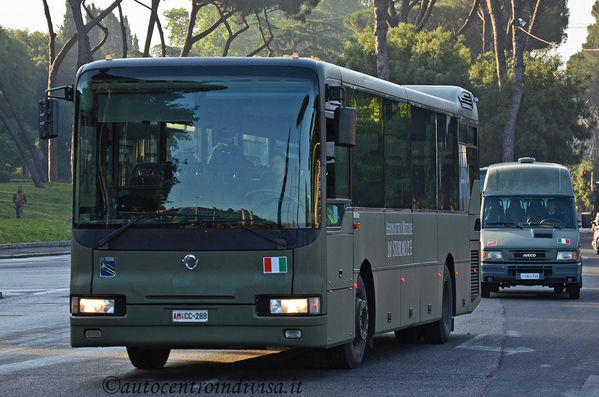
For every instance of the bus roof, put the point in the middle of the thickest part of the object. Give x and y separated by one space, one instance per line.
527 177
450 99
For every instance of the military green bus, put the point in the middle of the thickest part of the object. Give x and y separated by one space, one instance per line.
262 202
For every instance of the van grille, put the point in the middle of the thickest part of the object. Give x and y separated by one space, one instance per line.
528 255
474 272
515 270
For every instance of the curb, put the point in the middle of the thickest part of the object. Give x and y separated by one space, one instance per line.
35 245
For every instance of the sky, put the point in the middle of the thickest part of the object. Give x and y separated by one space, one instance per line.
29 14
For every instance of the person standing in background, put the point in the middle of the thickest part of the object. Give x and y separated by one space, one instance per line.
20 199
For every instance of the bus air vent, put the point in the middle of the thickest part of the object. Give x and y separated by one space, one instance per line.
466 100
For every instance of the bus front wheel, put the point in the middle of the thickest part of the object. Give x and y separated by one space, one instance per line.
349 355
147 358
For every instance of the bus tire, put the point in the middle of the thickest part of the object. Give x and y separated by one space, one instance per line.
409 336
438 332
147 358
349 355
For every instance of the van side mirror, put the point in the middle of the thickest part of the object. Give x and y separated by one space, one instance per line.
48 118
345 127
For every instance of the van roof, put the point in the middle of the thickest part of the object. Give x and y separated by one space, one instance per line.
527 177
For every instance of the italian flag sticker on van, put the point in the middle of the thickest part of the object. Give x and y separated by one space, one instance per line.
274 264
563 241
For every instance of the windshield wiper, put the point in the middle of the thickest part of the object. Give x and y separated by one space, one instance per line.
110 236
504 224
280 242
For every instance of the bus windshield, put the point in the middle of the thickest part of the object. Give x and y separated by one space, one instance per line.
529 211
205 147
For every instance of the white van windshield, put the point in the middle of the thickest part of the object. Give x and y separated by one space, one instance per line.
529 211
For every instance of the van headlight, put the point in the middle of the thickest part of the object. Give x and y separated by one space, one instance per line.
567 255
492 255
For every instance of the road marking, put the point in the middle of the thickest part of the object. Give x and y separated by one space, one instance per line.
53 359
471 345
590 387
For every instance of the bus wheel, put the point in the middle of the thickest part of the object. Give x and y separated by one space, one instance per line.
439 331
147 358
350 355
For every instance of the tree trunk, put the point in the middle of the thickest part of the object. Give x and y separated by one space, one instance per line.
469 19
21 148
380 38
35 153
498 29
84 51
509 132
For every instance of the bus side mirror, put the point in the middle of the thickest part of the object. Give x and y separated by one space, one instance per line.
345 127
48 118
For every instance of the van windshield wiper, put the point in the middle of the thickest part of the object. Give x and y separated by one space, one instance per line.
503 224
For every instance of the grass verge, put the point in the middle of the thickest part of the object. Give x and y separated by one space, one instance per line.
46 216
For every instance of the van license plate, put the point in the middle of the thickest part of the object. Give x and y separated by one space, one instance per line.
529 276
190 316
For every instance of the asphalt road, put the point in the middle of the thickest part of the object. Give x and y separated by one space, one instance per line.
519 342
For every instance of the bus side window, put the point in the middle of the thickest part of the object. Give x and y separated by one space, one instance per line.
337 174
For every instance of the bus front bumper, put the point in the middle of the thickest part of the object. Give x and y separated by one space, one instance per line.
226 327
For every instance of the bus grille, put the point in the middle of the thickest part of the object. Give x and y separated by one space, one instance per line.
474 272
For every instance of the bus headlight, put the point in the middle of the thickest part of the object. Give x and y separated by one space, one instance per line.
492 255
567 255
295 306
92 306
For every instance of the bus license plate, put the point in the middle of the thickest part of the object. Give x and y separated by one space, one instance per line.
529 276
190 316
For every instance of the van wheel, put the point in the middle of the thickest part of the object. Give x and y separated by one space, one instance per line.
574 291
349 355
485 290
438 332
147 358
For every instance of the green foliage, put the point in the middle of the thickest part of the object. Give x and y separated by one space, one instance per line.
583 191
548 125
319 33
46 216
178 19
429 57
23 80
550 24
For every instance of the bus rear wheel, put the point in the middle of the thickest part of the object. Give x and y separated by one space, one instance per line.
147 358
438 332
349 355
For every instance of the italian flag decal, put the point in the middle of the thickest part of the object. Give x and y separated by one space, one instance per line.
274 264
563 241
